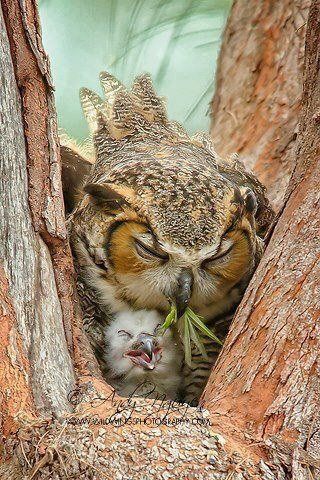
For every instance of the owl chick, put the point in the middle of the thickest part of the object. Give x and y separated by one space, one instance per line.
163 219
140 361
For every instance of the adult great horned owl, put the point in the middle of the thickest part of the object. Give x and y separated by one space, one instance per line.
163 219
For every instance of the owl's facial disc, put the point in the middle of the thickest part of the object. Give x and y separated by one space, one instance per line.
145 352
153 273
132 246
148 248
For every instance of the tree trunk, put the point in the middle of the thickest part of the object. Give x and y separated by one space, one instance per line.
268 375
255 109
33 244
260 410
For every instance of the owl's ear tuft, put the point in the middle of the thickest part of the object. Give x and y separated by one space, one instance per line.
250 201
109 196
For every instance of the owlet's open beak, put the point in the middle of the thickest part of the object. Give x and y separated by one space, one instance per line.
145 352
183 292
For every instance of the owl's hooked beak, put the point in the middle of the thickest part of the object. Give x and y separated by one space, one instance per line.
183 292
145 352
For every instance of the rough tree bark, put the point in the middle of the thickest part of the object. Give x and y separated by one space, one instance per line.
33 242
260 416
255 109
268 376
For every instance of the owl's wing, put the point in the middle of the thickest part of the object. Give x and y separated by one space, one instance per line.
233 169
76 162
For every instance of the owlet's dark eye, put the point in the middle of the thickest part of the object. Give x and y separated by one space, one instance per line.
148 252
157 329
123 333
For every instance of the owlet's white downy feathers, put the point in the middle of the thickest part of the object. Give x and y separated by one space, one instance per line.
140 361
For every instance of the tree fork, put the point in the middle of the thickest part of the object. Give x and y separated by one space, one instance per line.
256 428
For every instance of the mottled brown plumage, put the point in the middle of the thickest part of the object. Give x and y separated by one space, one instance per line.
158 203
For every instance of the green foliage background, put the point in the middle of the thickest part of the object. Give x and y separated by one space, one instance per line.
177 41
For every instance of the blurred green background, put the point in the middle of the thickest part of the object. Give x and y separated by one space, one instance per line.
177 41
